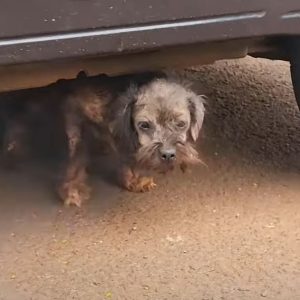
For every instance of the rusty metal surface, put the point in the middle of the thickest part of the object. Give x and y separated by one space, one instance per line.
38 30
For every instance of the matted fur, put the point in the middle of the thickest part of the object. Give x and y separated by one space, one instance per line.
142 118
120 107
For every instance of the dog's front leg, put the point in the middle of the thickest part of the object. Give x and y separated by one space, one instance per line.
131 180
74 188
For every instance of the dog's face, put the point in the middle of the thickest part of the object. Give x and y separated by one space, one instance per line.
165 119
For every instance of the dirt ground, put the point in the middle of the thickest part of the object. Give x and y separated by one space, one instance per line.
228 231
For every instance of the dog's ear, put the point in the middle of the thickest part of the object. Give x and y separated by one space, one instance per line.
197 110
123 127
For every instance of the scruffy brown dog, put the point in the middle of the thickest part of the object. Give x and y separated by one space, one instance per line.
151 121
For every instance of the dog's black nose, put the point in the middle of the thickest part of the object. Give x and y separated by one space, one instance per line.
168 155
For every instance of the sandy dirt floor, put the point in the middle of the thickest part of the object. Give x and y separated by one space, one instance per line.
228 231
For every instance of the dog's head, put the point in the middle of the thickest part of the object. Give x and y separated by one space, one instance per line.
160 121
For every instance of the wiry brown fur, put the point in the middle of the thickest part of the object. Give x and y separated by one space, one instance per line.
114 107
112 110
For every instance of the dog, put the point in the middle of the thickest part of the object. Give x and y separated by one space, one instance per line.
150 121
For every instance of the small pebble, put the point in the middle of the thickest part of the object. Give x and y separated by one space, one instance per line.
108 295
271 225
264 294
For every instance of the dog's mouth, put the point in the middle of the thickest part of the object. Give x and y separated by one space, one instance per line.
149 157
164 168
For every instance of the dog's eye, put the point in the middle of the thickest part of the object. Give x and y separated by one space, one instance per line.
144 125
180 124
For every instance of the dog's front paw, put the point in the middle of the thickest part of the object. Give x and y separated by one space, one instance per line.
140 184
74 194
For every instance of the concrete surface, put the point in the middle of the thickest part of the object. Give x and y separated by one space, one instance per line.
228 231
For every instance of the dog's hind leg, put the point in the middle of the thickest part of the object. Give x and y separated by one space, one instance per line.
74 188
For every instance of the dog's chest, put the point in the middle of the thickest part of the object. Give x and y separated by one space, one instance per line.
98 138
